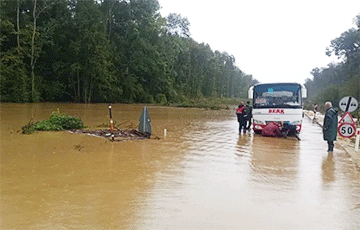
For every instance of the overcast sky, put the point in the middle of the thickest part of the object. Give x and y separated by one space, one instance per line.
273 40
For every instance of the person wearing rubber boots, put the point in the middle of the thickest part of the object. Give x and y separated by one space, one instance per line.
330 125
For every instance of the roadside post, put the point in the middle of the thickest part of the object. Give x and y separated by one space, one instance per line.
357 140
111 124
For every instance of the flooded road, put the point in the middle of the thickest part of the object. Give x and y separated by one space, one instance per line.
201 175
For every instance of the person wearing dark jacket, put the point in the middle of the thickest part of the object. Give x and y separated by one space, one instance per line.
330 125
248 109
241 117
289 129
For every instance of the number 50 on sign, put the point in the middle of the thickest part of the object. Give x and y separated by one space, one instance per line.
346 130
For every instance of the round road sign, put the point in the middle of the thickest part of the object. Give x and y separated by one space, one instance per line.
348 104
346 130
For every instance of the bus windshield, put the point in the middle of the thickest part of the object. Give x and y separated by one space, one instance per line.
285 95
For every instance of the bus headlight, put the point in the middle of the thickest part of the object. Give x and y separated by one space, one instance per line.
297 122
259 122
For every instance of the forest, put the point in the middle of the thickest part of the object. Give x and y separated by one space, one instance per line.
336 80
126 51
108 51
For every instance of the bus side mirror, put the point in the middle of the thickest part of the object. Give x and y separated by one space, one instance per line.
250 92
303 92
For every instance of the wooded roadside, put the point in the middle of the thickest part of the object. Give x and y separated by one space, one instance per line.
347 143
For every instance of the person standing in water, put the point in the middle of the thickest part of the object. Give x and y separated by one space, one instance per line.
241 117
330 125
248 109
315 110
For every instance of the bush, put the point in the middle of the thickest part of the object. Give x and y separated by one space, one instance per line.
47 126
65 122
161 99
58 121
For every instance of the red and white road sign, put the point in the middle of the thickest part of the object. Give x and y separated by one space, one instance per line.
347 127
346 130
347 118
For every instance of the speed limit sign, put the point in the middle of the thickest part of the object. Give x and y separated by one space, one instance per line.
346 130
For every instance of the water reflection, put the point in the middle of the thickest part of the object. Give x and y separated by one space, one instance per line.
245 144
328 168
275 158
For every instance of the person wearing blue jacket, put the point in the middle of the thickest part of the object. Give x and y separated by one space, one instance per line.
330 125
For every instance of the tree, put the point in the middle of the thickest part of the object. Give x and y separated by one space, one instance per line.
13 74
91 47
39 7
107 51
176 25
342 78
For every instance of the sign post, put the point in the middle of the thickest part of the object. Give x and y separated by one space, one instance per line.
347 124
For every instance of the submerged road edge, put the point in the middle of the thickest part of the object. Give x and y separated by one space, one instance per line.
345 143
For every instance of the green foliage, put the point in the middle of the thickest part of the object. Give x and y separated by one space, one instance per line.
210 103
58 121
13 78
338 80
47 125
13 73
176 25
108 51
161 99
66 122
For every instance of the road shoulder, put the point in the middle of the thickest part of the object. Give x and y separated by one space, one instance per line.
348 144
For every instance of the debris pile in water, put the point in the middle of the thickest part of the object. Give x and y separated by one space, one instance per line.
119 135
60 121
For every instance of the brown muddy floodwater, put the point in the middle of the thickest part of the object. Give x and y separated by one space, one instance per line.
202 175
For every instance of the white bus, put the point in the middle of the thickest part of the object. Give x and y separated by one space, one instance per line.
276 102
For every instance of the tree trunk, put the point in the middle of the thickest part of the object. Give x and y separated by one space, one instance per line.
90 88
32 62
85 89
33 59
109 20
78 86
18 24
